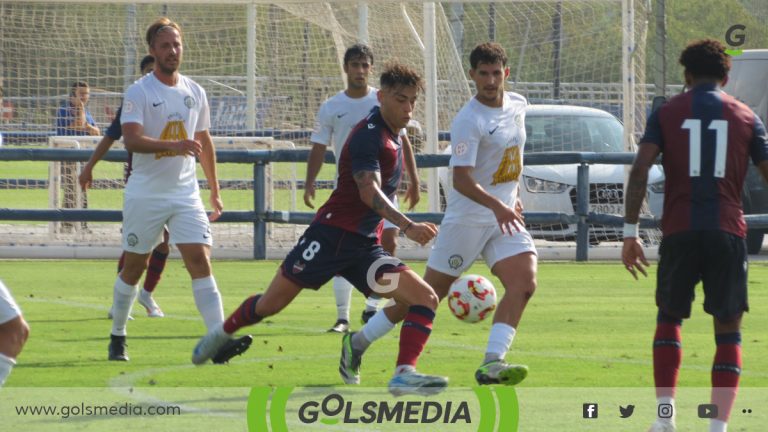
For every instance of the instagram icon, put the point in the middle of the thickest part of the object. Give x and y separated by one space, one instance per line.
666 410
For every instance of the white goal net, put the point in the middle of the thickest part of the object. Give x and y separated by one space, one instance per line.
267 67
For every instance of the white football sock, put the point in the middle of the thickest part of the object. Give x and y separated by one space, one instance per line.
374 329
123 296
401 369
342 290
372 303
716 425
499 342
208 301
6 365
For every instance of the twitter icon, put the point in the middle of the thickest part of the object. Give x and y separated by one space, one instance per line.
626 412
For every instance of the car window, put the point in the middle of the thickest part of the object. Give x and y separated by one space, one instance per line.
572 133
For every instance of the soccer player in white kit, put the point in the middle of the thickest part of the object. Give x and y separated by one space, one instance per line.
13 332
165 121
483 216
335 119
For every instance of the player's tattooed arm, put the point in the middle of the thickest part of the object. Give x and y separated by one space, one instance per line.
638 181
368 183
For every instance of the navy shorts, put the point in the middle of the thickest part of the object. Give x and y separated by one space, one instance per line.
716 258
325 251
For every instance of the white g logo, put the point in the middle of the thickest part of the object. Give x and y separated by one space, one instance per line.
392 278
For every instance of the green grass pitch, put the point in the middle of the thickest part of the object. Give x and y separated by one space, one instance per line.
588 325
586 336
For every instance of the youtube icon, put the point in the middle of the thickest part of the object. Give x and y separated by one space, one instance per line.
708 411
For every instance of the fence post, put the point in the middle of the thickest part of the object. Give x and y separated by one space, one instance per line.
259 206
582 210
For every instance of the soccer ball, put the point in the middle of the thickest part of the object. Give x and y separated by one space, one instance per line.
472 298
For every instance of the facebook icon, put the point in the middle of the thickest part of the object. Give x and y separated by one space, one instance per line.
589 410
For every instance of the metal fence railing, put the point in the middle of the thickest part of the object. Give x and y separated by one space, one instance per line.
260 216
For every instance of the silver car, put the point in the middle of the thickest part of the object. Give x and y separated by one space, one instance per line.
552 188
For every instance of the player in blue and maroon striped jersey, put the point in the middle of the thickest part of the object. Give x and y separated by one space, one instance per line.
706 139
342 239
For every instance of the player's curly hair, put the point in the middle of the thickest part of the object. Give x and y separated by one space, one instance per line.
399 75
488 53
706 58
160 25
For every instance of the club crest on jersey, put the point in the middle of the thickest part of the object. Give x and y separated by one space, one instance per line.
128 107
189 101
132 239
461 149
455 261
298 267
519 120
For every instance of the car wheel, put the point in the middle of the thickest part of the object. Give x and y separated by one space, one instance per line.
754 241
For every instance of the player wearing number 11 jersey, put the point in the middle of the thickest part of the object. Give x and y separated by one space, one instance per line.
706 138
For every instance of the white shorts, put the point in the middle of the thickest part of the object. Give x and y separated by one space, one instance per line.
388 224
144 219
457 246
8 307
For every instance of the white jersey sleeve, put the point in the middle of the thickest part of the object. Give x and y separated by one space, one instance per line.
134 104
323 130
204 120
465 140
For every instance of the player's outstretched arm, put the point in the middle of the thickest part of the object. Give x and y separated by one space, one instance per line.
509 219
632 254
86 174
314 163
370 193
208 163
412 194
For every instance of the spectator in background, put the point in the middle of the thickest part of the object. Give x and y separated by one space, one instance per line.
73 118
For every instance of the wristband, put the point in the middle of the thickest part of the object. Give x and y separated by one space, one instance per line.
406 227
631 230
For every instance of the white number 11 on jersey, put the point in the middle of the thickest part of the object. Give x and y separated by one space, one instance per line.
694 143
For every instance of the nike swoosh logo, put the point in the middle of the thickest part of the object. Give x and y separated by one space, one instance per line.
157 104
490 132
341 115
